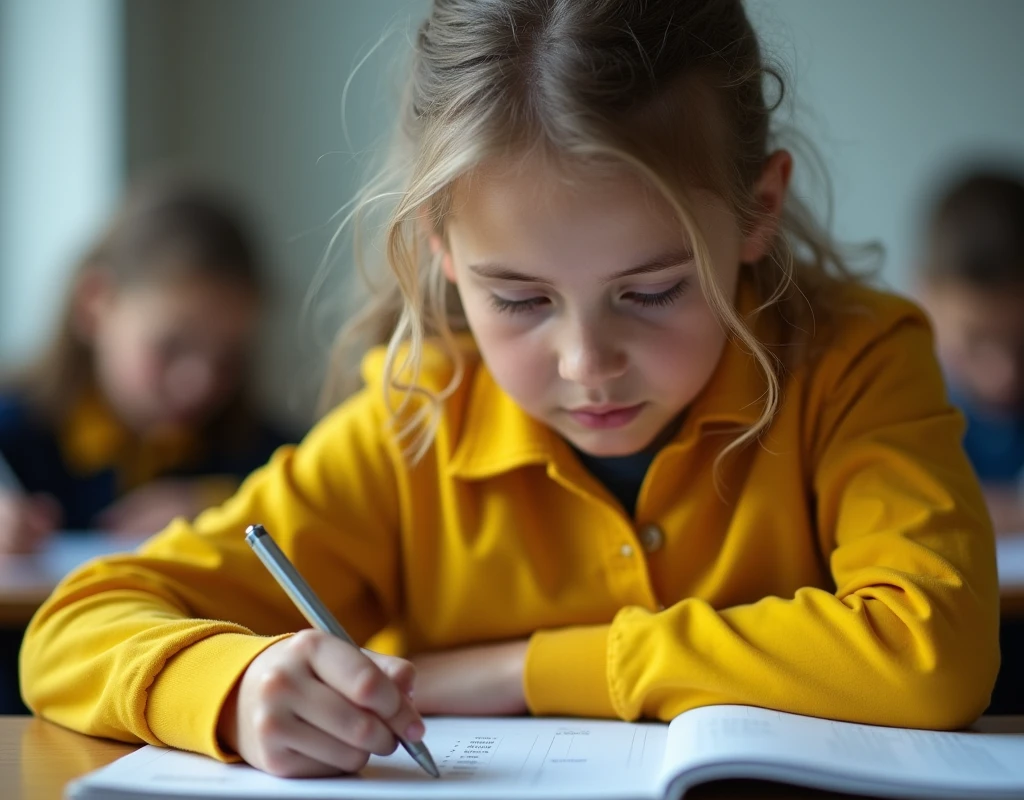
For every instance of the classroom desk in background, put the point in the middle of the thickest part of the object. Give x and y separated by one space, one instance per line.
38 759
27 580
1010 558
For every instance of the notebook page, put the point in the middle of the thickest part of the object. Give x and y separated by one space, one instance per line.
478 757
949 763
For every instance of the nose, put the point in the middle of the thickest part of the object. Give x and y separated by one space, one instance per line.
590 354
191 382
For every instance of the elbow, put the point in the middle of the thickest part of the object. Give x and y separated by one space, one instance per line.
34 669
952 687
952 697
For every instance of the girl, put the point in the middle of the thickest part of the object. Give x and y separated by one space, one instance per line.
656 451
136 414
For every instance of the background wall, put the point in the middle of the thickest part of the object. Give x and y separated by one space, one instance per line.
895 94
61 162
249 92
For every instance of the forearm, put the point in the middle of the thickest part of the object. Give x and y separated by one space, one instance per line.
475 680
884 654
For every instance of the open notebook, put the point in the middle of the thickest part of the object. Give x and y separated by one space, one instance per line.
522 758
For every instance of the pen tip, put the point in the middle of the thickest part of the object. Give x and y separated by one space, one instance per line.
428 764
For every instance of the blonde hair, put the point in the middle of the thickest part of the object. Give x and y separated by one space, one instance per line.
673 90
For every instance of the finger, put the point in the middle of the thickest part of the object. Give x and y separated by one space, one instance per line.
401 672
348 671
29 534
38 537
39 516
108 518
325 709
317 753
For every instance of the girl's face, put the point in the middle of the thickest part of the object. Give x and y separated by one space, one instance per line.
168 353
584 299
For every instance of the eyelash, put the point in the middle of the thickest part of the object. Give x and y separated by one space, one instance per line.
659 299
664 298
516 306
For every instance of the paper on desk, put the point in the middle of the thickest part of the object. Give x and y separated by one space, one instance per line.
504 759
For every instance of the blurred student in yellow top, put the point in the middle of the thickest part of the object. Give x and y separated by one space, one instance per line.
638 442
136 413
971 272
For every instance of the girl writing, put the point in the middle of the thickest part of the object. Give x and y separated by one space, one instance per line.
637 443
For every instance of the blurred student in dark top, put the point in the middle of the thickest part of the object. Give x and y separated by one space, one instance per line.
137 411
972 282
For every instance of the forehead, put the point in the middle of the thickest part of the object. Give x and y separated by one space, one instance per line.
983 308
198 304
506 201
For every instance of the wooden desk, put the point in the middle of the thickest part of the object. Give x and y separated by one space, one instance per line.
26 581
38 759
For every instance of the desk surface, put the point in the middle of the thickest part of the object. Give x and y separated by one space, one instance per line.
38 759
26 581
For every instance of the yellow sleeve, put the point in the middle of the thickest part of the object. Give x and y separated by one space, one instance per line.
136 647
909 637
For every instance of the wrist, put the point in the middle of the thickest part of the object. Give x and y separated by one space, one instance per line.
227 723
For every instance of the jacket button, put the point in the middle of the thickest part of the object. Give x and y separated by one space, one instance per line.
651 537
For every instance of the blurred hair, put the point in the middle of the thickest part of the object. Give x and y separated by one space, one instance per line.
976 230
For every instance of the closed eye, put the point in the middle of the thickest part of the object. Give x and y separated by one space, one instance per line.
652 300
517 306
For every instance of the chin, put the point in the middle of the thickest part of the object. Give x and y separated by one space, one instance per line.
609 445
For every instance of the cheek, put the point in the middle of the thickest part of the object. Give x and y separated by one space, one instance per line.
134 366
516 354
678 362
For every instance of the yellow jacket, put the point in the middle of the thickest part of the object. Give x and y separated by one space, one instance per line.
847 570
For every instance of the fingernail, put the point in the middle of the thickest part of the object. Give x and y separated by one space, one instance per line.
415 732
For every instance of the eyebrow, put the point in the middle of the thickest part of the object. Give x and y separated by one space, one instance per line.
659 263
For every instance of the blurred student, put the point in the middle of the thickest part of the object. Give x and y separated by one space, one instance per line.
972 273
136 413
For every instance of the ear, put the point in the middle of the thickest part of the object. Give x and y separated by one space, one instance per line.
770 194
437 245
91 299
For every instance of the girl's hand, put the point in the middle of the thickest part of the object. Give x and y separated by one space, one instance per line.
486 680
26 521
151 507
313 705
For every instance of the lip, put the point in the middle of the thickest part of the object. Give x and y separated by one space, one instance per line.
605 417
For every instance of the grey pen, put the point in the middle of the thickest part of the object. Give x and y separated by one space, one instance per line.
316 612
8 480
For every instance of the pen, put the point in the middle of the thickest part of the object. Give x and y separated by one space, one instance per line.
316 612
8 480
